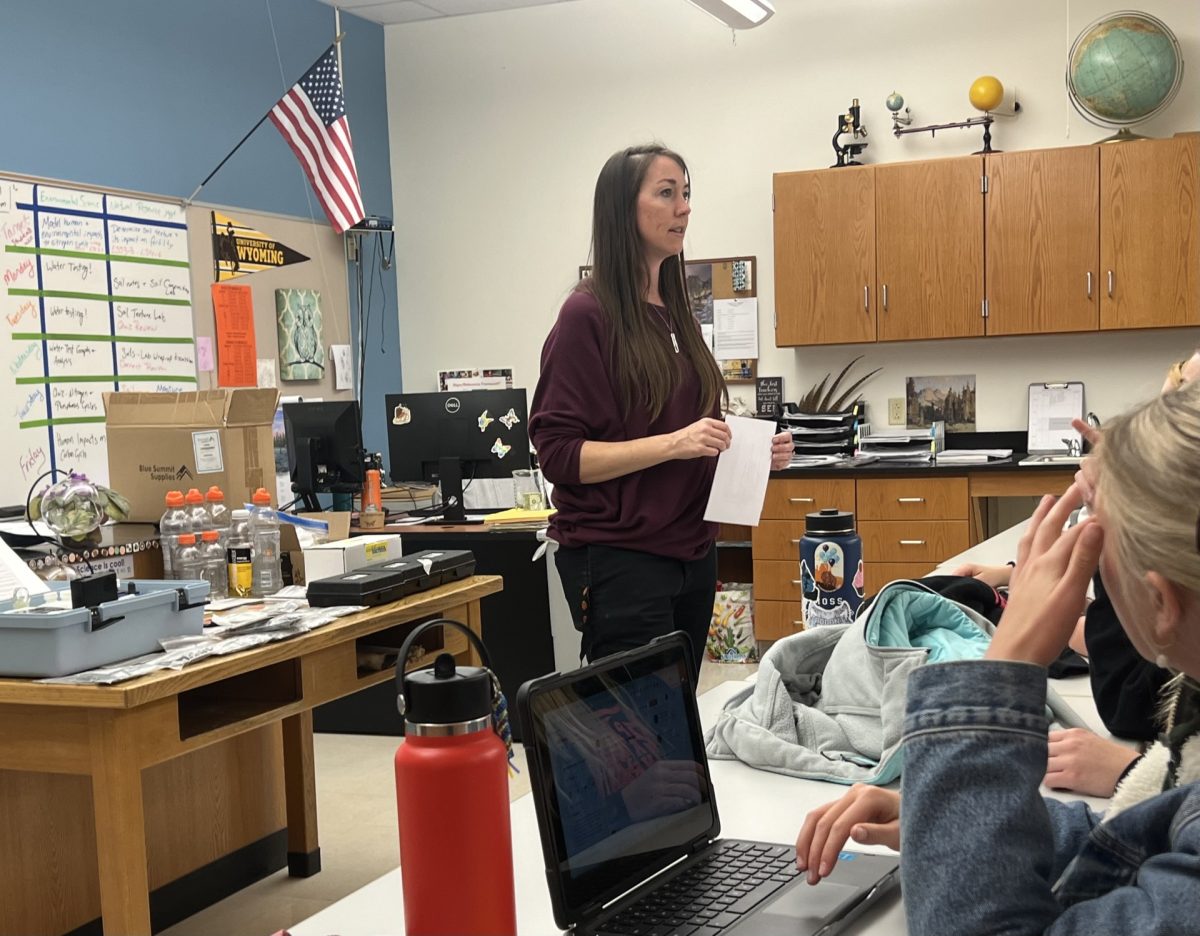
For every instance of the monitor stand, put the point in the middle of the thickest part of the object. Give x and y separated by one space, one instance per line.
450 477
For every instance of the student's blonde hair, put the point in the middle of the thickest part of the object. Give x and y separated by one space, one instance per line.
1150 486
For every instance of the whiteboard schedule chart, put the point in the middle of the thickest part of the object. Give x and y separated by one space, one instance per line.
95 297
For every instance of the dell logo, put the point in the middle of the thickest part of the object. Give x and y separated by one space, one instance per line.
453 405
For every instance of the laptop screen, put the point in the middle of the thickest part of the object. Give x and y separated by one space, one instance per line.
619 753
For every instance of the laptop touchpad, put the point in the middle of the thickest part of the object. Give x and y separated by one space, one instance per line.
804 905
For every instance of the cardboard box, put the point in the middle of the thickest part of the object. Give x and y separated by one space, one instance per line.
346 555
289 544
160 442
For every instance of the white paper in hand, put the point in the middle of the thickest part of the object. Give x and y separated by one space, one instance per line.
740 484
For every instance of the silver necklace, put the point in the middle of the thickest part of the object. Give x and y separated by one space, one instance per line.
667 325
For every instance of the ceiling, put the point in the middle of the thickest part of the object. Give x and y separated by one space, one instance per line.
411 11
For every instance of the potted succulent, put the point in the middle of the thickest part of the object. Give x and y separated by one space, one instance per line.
75 507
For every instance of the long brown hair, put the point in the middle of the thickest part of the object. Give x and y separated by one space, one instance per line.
645 369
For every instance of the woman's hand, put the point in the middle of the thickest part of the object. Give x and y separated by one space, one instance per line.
867 814
996 576
703 438
1086 763
781 450
1049 584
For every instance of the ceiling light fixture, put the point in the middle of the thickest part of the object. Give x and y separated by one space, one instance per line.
738 14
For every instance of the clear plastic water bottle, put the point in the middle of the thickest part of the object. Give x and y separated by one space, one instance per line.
197 512
174 521
189 563
264 536
239 555
219 515
215 573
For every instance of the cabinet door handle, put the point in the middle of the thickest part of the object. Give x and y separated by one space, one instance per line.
910 500
1110 283
1089 277
885 297
867 298
796 582
795 542
800 500
797 623
912 542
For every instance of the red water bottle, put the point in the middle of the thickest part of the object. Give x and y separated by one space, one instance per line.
452 800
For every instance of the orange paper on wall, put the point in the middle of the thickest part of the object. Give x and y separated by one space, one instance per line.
237 364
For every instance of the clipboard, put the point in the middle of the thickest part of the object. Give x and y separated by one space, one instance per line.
1052 406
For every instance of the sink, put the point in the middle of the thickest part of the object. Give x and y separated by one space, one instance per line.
1050 460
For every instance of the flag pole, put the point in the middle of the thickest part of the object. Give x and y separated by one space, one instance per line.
337 40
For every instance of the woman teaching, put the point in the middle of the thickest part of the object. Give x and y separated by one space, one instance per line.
626 420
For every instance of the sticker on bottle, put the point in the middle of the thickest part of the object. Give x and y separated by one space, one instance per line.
206 446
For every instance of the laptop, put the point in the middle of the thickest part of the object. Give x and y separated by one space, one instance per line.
628 817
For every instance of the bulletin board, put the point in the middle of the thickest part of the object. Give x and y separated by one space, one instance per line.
724 292
106 290
324 270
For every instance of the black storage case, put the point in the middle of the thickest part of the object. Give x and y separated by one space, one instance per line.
390 581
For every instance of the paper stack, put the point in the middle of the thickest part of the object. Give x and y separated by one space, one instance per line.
916 446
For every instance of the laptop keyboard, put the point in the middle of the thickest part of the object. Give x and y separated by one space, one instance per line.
711 895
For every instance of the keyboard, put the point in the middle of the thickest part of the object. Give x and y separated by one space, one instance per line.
711 895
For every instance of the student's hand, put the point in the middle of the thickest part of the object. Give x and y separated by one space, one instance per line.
1086 763
704 437
1049 584
781 450
996 576
867 814
1078 640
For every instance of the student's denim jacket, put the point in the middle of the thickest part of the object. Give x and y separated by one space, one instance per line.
984 853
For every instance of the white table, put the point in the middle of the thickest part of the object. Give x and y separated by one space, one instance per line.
753 804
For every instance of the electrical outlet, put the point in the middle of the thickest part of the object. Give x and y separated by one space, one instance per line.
895 411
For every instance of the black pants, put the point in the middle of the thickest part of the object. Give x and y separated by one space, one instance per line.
622 598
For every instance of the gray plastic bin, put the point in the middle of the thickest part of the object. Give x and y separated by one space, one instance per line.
45 641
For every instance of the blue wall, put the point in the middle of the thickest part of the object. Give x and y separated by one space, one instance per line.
151 94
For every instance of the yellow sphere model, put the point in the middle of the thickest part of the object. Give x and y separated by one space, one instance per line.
986 93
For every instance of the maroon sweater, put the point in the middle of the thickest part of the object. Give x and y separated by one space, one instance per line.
658 510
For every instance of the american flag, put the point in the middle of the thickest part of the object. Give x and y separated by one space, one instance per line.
312 118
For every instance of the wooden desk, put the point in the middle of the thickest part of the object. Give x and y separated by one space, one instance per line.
183 767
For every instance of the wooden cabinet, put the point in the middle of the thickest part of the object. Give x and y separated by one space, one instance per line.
913 499
1043 241
1073 239
825 257
929 248
1150 233
792 498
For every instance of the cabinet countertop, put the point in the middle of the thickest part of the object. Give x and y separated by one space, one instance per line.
887 469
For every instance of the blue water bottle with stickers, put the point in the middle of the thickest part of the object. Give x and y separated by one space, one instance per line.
831 570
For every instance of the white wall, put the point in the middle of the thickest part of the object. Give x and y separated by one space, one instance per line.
500 122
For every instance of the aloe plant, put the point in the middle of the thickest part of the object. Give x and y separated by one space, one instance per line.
822 400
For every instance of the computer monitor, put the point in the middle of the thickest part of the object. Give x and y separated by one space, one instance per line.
487 430
324 448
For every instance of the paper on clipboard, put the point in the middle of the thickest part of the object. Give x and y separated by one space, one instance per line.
1052 406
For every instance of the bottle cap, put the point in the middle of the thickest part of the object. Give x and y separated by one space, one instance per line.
194 496
448 694
214 495
241 513
261 497
829 520
187 539
210 536
174 498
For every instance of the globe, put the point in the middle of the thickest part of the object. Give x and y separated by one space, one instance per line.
1124 68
